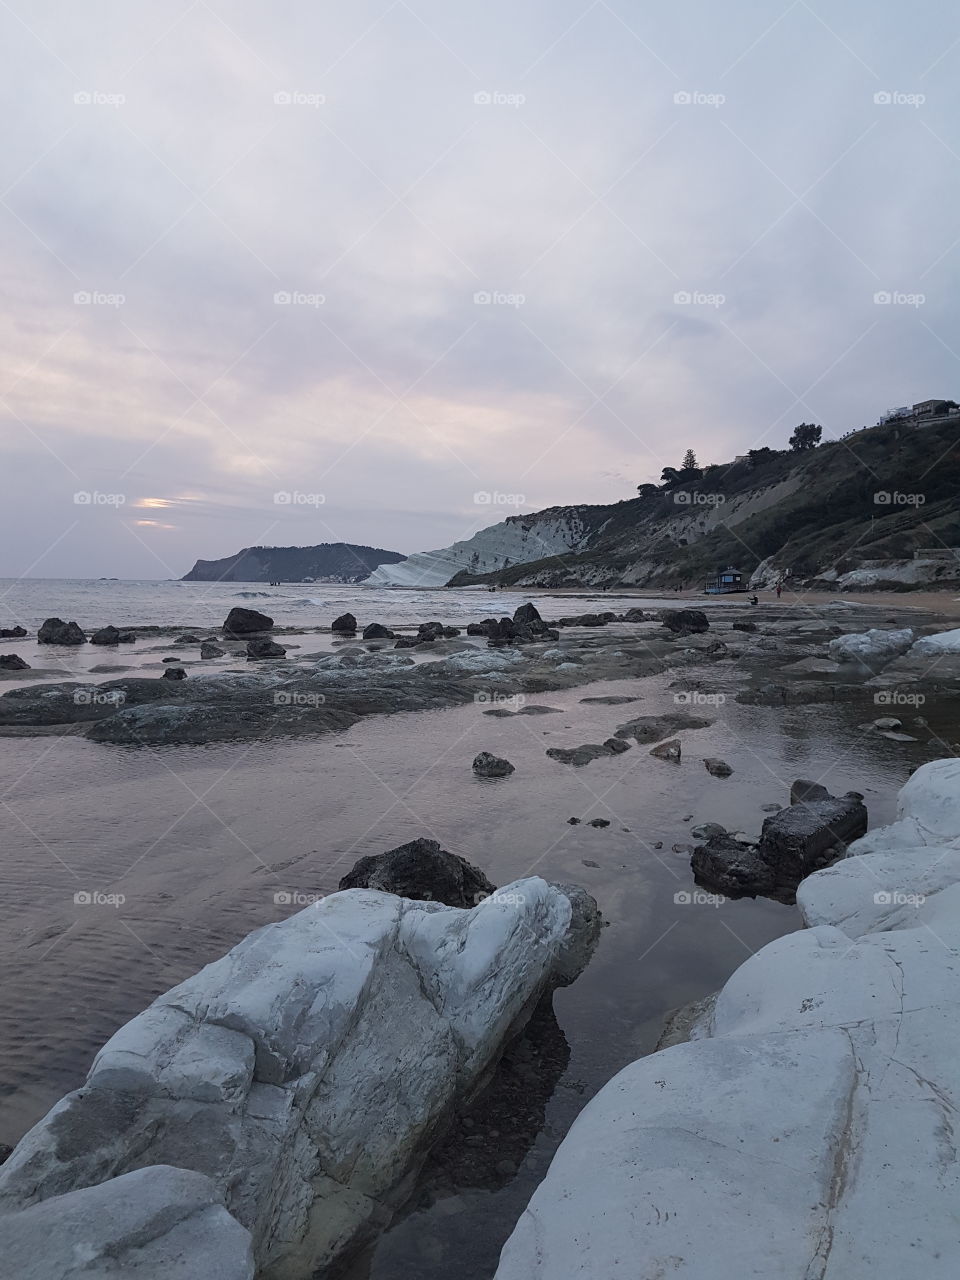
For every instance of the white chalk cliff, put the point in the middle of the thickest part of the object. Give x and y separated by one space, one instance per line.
808 1130
271 1110
516 540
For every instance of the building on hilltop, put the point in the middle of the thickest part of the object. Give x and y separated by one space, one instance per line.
925 413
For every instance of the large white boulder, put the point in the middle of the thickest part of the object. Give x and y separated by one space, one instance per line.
871 648
307 1072
944 642
928 813
152 1224
809 1135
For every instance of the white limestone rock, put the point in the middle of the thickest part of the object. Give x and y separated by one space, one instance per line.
307 1071
944 642
810 1135
871 648
928 812
152 1224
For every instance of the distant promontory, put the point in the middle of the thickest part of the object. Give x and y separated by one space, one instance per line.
328 562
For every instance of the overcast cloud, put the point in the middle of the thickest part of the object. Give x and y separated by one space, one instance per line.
384 164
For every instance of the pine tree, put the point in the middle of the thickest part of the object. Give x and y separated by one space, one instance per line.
689 461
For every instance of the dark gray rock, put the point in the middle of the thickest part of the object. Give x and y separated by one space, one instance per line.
409 642
599 822
246 622
430 630
127 637
684 622
802 789
612 699
579 756
174 673
794 842
421 870
717 768
486 765
346 623
488 627
744 626
13 662
56 631
375 631
209 649
528 615
655 728
12 633
669 750
106 635
587 620
736 870
265 649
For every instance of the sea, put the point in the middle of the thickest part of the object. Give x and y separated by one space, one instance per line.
125 869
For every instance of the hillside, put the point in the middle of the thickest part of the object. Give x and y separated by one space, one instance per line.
860 506
328 562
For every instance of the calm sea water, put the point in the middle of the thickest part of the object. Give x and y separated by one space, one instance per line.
97 602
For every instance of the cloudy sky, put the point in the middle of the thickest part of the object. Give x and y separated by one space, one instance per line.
379 257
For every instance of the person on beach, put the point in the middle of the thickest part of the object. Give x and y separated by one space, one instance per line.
779 590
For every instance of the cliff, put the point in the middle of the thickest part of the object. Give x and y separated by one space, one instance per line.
328 562
863 511
557 532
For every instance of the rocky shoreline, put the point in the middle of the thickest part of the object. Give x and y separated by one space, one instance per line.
768 658
778 655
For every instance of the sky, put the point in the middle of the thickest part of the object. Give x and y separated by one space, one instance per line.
386 273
